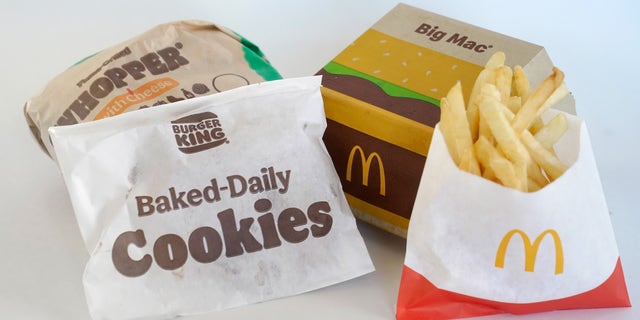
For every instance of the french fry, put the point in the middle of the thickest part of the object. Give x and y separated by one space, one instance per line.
469 162
536 125
503 78
514 104
535 174
488 91
529 109
520 84
488 173
560 92
552 131
506 138
456 118
473 114
496 60
533 186
500 134
551 165
502 168
447 128
487 75
555 97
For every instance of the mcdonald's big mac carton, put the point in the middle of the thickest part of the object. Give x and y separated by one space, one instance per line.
382 94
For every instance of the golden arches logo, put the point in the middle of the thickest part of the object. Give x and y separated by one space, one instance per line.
366 166
531 249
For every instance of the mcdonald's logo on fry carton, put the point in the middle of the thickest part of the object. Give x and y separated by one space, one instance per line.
366 166
531 249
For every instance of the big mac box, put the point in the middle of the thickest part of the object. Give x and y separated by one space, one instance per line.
382 95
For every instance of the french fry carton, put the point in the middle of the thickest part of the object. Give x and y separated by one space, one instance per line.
477 248
382 95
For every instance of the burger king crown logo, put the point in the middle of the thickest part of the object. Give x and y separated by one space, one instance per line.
198 132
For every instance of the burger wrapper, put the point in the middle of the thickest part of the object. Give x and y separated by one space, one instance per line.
209 203
477 248
168 63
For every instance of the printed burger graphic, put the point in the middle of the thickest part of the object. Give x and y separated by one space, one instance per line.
198 132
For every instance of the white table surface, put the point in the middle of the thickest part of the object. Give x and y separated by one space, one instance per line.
42 255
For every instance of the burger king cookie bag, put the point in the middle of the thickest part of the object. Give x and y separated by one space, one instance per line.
510 216
170 62
209 203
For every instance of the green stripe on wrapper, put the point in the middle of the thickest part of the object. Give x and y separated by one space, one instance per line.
257 60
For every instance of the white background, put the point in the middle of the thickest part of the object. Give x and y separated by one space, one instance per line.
41 253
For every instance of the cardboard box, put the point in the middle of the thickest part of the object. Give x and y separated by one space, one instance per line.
382 94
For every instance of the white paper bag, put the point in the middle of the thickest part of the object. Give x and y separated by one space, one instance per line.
477 248
209 203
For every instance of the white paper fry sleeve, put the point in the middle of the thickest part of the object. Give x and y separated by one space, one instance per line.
473 237
209 203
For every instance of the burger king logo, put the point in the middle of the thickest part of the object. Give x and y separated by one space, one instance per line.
198 132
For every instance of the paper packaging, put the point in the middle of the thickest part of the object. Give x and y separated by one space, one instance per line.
477 248
170 62
382 98
209 203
